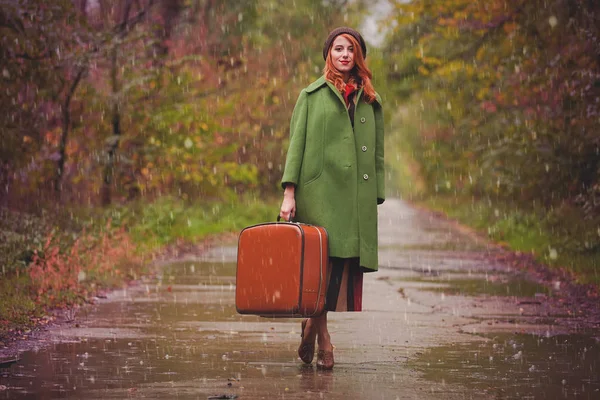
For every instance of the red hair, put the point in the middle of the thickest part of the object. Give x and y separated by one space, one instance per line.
360 76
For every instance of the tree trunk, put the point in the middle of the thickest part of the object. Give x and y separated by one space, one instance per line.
113 143
66 124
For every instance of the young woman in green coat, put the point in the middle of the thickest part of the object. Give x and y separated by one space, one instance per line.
334 177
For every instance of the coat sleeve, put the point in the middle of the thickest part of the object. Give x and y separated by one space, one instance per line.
379 152
295 153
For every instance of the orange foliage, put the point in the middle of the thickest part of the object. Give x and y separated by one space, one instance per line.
55 273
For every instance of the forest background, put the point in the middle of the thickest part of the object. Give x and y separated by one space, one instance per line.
131 126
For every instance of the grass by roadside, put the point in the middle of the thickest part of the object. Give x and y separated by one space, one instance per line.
561 236
169 220
57 261
527 231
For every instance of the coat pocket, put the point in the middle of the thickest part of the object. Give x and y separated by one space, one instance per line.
312 163
313 167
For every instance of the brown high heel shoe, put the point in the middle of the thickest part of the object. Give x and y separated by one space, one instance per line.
306 351
325 359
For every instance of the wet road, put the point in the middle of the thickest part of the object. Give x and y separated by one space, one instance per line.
441 321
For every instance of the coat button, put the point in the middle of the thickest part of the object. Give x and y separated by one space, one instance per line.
364 148
363 120
365 177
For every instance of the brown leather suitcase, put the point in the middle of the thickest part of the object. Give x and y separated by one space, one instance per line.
282 270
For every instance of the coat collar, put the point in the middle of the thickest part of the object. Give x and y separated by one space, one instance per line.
322 81
316 84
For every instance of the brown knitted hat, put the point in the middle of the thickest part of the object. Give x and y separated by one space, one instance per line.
338 31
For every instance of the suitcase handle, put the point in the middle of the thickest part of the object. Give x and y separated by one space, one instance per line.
279 219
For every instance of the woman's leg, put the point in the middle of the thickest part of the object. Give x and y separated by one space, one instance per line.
320 328
316 329
325 352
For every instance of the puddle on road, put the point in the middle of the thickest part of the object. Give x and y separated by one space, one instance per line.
177 328
518 367
198 273
180 336
482 285
109 368
441 246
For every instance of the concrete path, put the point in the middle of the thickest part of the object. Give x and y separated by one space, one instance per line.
441 320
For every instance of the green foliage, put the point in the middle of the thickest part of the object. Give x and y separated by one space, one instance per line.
20 235
17 308
169 219
501 104
480 71
403 161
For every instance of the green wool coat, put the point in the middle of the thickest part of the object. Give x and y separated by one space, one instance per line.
338 171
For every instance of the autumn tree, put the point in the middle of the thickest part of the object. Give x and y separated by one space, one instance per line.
108 101
41 48
507 93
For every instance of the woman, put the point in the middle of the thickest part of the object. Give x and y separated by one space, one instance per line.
334 177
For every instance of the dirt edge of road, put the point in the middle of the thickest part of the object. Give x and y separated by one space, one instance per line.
568 293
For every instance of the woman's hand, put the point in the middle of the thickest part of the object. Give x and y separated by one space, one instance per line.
288 205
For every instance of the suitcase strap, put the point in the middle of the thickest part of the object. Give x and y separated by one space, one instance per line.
320 263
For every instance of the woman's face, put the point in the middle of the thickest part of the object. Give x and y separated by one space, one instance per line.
342 54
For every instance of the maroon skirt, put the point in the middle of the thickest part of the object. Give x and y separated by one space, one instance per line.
345 285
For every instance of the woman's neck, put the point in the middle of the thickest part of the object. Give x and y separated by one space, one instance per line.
346 76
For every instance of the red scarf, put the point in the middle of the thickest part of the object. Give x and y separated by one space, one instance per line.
347 92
